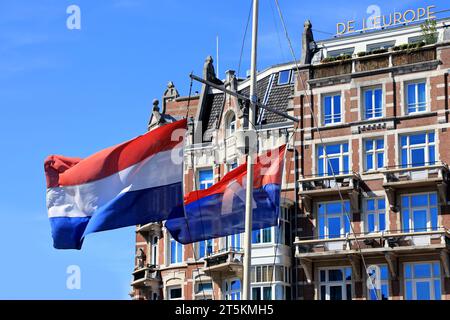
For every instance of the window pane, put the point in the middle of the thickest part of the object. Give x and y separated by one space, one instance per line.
380 144
267 293
322 275
369 145
420 220
422 270
418 157
437 289
235 285
409 291
335 275
421 94
371 205
335 293
333 149
423 290
369 162
284 77
345 170
267 235
334 227
384 292
323 293
371 223
408 273
436 269
432 155
434 218
256 293
382 221
380 160
417 139
419 200
405 220
381 204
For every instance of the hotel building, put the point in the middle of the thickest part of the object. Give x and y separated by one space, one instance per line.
365 208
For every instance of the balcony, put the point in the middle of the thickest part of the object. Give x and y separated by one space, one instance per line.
150 229
322 186
398 61
400 178
146 277
225 263
388 244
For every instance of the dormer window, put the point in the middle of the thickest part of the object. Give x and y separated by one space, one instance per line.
284 77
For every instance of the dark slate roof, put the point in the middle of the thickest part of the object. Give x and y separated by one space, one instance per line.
278 100
216 103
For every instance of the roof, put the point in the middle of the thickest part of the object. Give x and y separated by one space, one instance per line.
269 93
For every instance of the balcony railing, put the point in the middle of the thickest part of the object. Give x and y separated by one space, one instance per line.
226 261
434 175
320 184
146 276
372 62
374 242
423 173
388 244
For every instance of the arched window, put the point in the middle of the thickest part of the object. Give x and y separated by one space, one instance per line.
230 124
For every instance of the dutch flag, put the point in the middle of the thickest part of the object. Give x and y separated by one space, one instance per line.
136 182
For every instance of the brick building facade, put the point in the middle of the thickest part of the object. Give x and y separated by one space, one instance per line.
365 191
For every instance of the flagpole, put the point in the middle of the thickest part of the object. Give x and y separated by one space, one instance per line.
250 158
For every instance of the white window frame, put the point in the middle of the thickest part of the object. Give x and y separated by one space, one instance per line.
170 252
377 213
261 243
341 215
427 208
279 77
374 152
416 105
169 290
415 280
409 147
326 157
364 113
230 124
333 111
329 284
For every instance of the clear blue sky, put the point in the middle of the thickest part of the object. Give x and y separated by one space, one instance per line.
74 92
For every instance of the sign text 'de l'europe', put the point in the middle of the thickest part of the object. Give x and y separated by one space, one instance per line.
388 20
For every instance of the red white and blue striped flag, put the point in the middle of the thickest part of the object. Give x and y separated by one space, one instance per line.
220 210
136 182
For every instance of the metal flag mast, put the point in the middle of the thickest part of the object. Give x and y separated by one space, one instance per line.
251 149
250 157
